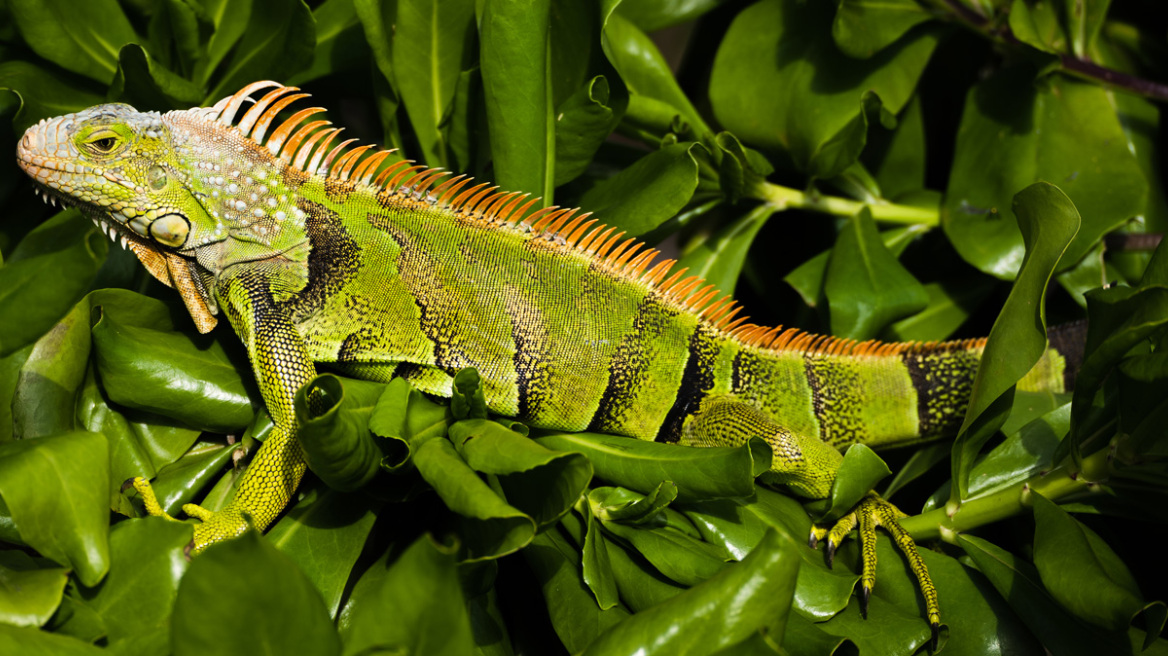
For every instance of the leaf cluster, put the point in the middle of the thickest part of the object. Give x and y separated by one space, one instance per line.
896 169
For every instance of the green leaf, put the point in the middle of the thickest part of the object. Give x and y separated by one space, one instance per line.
864 27
1039 24
897 158
616 504
146 563
583 122
866 287
808 278
183 375
31 640
679 557
332 417
44 92
1081 571
646 194
597 568
430 44
277 41
1016 131
147 85
540 482
699 621
1018 583
224 587
698 472
643 70
951 303
377 19
719 258
229 20
860 471
653 15
83 38
1049 222
467 400
574 613
419 593
492 528
30 590
57 490
766 86
46 275
324 534
180 481
51 378
514 62
340 41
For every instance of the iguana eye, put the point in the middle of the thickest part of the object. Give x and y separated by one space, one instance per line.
103 144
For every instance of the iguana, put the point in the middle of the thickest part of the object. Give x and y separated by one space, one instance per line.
321 253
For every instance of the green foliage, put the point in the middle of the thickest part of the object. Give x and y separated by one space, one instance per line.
902 169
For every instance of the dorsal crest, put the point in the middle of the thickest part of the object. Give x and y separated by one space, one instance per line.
311 148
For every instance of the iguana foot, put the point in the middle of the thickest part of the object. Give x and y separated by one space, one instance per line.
213 526
870 512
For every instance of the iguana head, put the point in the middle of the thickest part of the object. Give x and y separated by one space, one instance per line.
188 191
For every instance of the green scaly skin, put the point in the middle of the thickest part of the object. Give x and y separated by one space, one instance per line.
388 270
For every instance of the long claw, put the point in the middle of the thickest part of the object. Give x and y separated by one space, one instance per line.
865 596
831 547
936 635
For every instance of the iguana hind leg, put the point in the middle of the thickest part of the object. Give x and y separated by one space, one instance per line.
808 466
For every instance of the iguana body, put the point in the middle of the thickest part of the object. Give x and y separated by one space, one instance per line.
321 257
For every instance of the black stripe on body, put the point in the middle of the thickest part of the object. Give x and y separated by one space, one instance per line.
334 261
943 380
837 397
531 357
696 382
629 367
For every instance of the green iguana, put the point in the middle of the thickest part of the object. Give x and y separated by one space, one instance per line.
318 253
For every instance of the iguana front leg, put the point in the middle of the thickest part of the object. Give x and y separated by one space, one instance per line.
808 466
282 367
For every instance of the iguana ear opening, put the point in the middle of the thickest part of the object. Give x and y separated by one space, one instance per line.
175 271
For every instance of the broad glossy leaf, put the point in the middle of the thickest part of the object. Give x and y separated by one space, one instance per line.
324 533
46 275
1039 24
803 638
739 525
30 590
31 640
332 416
412 605
596 566
181 481
1081 571
719 258
779 81
860 471
698 472
951 303
646 194
643 70
583 122
574 614
75 618
492 527
1018 582
147 85
639 584
866 287
229 20
430 47
746 597
83 38
146 564
616 504
377 19
808 278
540 482
467 399
513 57
51 378
896 158
57 491
1049 223
653 15
10 366
226 585
191 378
1016 131
340 41
679 557
278 40
864 27
44 92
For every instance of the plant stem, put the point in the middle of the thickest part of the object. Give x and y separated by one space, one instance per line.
786 198
1063 481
